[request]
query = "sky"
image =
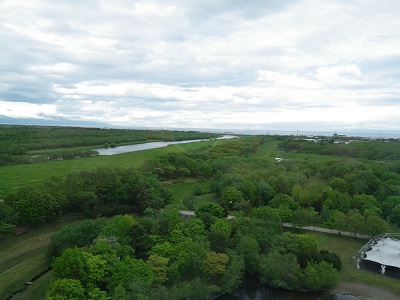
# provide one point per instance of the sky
(319, 65)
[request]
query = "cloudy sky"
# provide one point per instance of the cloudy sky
(255, 64)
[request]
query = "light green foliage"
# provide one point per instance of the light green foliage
(97, 294)
(135, 276)
(283, 199)
(280, 270)
(119, 227)
(215, 263)
(230, 197)
(209, 212)
(159, 266)
(301, 195)
(66, 289)
(71, 264)
(320, 276)
(223, 226)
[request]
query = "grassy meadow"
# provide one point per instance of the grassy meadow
(14, 176)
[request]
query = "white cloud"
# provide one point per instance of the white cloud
(185, 64)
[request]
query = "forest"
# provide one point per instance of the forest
(132, 242)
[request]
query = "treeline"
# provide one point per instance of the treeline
(161, 256)
(378, 149)
(20, 144)
(200, 164)
(99, 192)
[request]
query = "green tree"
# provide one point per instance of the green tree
(320, 276)
(215, 263)
(248, 247)
(75, 234)
(230, 197)
(375, 225)
(133, 275)
(65, 289)
(159, 266)
(97, 294)
(280, 270)
(8, 218)
(234, 273)
(118, 227)
(209, 212)
(33, 206)
(355, 222)
(304, 217)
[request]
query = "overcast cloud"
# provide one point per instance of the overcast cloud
(272, 64)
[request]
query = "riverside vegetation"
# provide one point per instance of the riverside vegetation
(133, 244)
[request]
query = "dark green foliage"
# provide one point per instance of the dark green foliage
(330, 257)
(303, 246)
(34, 206)
(76, 234)
(280, 270)
(320, 276)
(8, 218)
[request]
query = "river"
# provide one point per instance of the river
(252, 289)
(148, 146)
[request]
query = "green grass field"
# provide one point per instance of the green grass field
(346, 247)
(23, 258)
(16, 176)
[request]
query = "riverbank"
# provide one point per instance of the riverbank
(367, 292)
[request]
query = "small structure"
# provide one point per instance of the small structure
(381, 254)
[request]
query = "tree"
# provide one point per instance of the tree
(215, 263)
(209, 212)
(118, 227)
(78, 234)
(283, 199)
(304, 217)
(375, 225)
(303, 246)
(159, 266)
(8, 218)
(355, 222)
(248, 247)
(33, 206)
(65, 289)
(320, 276)
(234, 273)
(133, 275)
(230, 197)
(97, 294)
(280, 270)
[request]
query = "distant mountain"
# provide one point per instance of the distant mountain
(54, 121)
